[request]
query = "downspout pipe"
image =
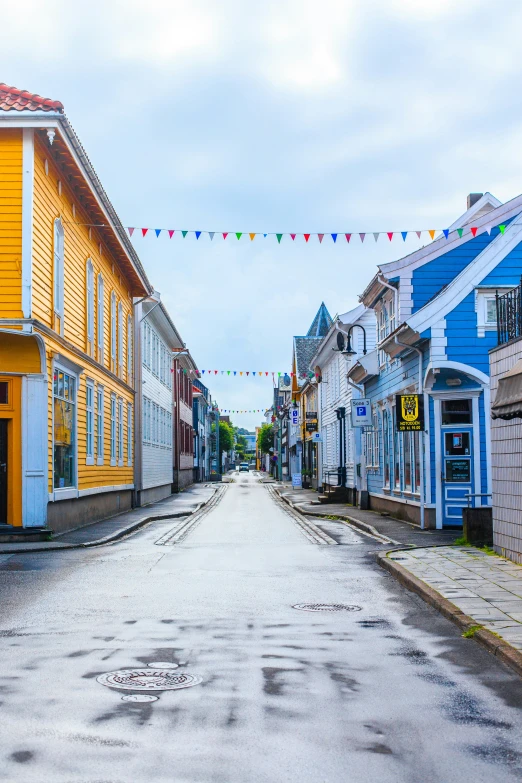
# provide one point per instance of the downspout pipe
(420, 391)
(385, 283)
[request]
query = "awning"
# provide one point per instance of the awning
(508, 402)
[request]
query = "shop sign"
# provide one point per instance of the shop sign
(311, 414)
(409, 412)
(294, 415)
(317, 437)
(311, 426)
(296, 480)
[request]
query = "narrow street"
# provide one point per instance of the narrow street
(388, 692)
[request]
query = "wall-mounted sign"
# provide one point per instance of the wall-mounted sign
(294, 415)
(409, 412)
(361, 413)
(316, 437)
(311, 426)
(311, 414)
(458, 471)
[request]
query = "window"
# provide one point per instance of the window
(386, 317)
(64, 429)
(416, 460)
(4, 392)
(58, 267)
(99, 425)
(130, 351)
(456, 411)
(491, 311)
(120, 339)
(372, 448)
(406, 451)
(89, 422)
(396, 455)
(100, 319)
(129, 433)
(113, 429)
(120, 431)
(90, 307)
(113, 332)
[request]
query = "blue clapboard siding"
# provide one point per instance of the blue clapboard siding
(508, 271)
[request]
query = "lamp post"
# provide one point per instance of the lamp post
(348, 351)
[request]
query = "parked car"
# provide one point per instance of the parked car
(244, 467)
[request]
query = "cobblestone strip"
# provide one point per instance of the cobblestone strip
(311, 531)
(178, 533)
(479, 592)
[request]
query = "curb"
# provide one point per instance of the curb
(494, 644)
(116, 536)
(363, 526)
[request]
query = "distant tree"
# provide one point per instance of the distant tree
(226, 437)
(265, 438)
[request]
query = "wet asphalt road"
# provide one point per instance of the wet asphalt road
(388, 693)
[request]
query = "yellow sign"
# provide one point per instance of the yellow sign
(409, 412)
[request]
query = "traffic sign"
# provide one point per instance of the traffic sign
(361, 413)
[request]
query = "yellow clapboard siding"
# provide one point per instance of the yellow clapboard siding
(10, 223)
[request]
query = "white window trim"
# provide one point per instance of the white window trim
(119, 432)
(130, 351)
(120, 339)
(100, 390)
(90, 306)
(100, 318)
(130, 429)
(113, 429)
(482, 295)
(89, 457)
(58, 269)
(113, 331)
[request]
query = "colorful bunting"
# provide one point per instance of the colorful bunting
(404, 234)
(460, 232)
(320, 237)
(390, 235)
(157, 231)
(348, 237)
(445, 231)
(144, 231)
(198, 234)
(431, 232)
(184, 234)
(474, 230)
(171, 233)
(334, 237)
(252, 237)
(279, 237)
(376, 235)
(131, 231)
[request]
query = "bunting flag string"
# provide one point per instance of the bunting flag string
(251, 235)
(273, 375)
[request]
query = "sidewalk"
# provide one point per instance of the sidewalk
(395, 530)
(116, 527)
(480, 592)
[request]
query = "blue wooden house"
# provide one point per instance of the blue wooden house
(436, 322)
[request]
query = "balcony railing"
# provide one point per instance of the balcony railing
(509, 315)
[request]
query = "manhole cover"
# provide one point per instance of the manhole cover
(148, 680)
(139, 697)
(327, 607)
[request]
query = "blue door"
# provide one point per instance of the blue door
(457, 459)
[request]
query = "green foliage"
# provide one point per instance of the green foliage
(472, 630)
(265, 438)
(461, 542)
(226, 436)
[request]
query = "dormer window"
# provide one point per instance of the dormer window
(486, 308)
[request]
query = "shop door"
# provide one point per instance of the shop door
(457, 473)
(3, 471)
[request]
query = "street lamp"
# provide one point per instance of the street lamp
(348, 351)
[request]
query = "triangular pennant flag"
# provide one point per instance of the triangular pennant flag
(228, 372)
(431, 232)
(334, 237)
(241, 373)
(488, 229)
(252, 236)
(225, 234)
(279, 237)
(158, 231)
(184, 234)
(390, 235)
(203, 371)
(348, 237)
(144, 231)
(460, 231)
(265, 235)
(171, 232)
(474, 230)
(222, 372)
(211, 235)
(131, 231)
(320, 237)
(253, 373)
(266, 373)
(502, 228)
(216, 372)
(234, 372)
(419, 234)
(293, 236)
(376, 235)
(248, 373)
(404, 234)
(445, 231)
(239, 234)
(198, 234)
(362, 237)
(307, 237)
(278, 374)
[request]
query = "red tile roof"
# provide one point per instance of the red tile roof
(13, 98)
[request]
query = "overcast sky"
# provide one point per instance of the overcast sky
(378, 115)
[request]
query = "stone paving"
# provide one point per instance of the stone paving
(486, 587)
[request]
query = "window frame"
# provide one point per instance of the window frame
(130, 351)
(113, 430)
(119, 430)
(113, 332)
(58, 269)
(89, 422)
(100, 424)
(89, 305)
(72, 488)
(100, 318)
(120, 339)
(130, 429)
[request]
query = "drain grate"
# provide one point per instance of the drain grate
(148, 680)
(327, 607)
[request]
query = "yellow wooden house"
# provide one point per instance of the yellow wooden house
(68, 277)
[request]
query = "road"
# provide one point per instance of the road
(390, 692)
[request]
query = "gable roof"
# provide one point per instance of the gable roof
(346, 319)
(464, 283)
(11, 98)
(321, 323)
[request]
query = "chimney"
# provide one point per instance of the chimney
(473, 198)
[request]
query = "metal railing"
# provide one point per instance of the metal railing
(509, 314)
(469, 496)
